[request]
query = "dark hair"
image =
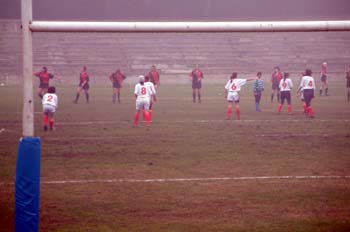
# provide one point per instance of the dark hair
(233, 76)
(278, 68)
(146, 78)
(44, 68)
(308, 72)
(285, 75)
(51, 89)
(259, 74)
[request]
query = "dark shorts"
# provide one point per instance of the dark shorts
(308, 96)
(196, 84)
(116, 85)
(85, 87)
(275, 86)
(44, 86)
(324, 78)
(285, 95)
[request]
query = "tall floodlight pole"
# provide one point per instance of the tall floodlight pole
(27, 183)
(27, 71)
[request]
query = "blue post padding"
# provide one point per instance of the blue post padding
(27, 185)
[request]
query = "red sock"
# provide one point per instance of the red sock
(238, 113)
(147, 117)
(229, 112)
(46, 120)
(310, 111)
(136, 118)
(279, 108)
(52, 121)
(289, 109)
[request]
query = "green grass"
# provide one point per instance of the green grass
(185, 140)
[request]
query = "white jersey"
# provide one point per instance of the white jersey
(307, 82)
(142, 91)
(50, 99)
(151, 88)
(235, 85)
(286, 85)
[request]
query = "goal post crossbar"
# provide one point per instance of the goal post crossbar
(212, 26)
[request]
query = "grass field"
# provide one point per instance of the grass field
(183, 174)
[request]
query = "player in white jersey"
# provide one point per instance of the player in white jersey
(285, 87)
(50, 103)
(143, 95)
(307, 84)
(232, 88)
(153, 98)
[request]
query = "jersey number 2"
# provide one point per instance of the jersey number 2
(49, 98)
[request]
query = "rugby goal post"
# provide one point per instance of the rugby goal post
(27, 186)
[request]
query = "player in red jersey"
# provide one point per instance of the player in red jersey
(44, 78)
(196, 77)
(154, 77)
(117, 79)
(347, 76)
(324, 81)
(83, 85)
(275, 81)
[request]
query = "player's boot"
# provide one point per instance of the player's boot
(310, 112)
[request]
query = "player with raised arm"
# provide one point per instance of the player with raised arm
(143, 94)
(44, 78)
(153, 97)
(324, 81)
(347, 76)
(154, 76)
(275, 81)
(83, 85)
(258, 89)
(50, 103)
(285, 87)
(307, 84)
(232, 89)
(196, 77)
(117, 79)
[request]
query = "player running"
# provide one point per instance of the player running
(143, 94)
(307, 85)
(117, 79)
(44, 78)
(347, 75)
(275, 81)
(324, 81)
(152, 98)
(285, 87)
(258, 89)
(196, 77)
(50, 103)
(232, 89)
(83, 85)
(154, 77)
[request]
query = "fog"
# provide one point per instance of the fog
(176, 10)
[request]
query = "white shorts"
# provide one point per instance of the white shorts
(233, 97)
(142, 103)
(49, 108)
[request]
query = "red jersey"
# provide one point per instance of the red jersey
(154, 77)
(196, 75)
(276, 78)
(44, 77)
(84, 77)
(117, 77)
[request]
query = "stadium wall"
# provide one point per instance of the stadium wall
(175, 54)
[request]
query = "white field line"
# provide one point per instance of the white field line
(208, 179)
(210, 121)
